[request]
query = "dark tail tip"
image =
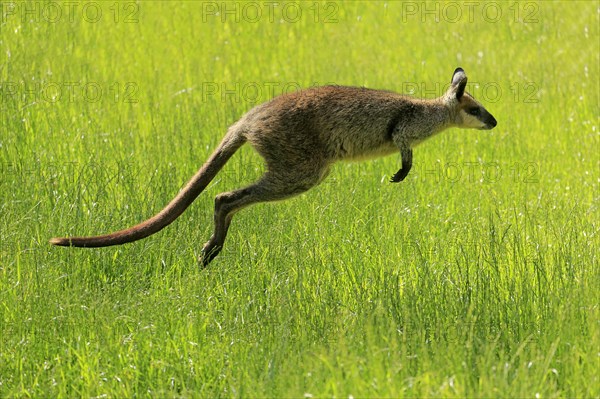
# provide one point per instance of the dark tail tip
(63, 242)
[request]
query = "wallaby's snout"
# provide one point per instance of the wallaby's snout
(490, 122)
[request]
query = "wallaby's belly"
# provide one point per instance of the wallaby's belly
(377, 153)
(358, 146)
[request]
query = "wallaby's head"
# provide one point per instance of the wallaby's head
(467, 113)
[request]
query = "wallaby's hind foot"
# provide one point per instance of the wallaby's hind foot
(222, 219)
(209, 252)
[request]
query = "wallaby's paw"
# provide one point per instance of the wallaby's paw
(398, 177)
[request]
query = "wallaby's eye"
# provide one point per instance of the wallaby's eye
(474, 111)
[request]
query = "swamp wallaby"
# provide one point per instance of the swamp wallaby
(300, 135)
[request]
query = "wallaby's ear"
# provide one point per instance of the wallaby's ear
(459, 82)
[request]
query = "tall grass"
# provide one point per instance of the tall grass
(477, 276)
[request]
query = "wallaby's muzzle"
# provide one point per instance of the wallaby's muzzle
(490, 122)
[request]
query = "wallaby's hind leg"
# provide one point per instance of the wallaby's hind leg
(271, 187)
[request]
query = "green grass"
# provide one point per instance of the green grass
(476, 277)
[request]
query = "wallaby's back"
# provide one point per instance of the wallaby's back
(340, 122)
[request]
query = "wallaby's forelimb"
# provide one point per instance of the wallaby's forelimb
(406, 165)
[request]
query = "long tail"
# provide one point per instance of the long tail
(230, 144)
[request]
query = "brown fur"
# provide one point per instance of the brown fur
(300, 135)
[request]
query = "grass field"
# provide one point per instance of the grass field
(475, 277)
